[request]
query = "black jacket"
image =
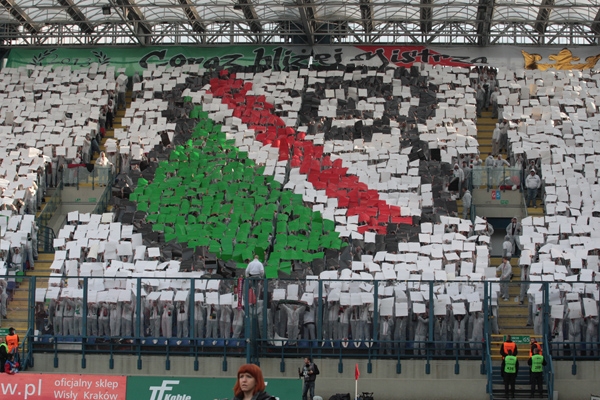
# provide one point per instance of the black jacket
(304, 373)
(258, 396)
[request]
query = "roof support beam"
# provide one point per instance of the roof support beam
(307, 15)
(426, 16)
(366, 15)
(596, 23)
(543, 16)
(20, 16)
(484, 21)
(75, 13)
(250, 15)
(130, 13)
(192, 15)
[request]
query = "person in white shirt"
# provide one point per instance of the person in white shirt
(505, 270)
(496, 139)
(501, 162)
(136, 79)
(494, 102)
(490, 161)
(466, 202)
(532, 183)
(514, 230)
(105, 165)
(255, 269)
(507, 247)
(121, 91)
(459, 173)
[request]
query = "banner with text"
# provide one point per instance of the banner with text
(281, 57)
(170, 388)
(513, 56)
(140, 58)
(27, 386)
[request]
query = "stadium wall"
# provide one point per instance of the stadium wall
(412, 383)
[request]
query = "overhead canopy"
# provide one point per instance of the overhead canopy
(475, 22)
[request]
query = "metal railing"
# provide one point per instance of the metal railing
(79, 175)
(269, 327)
(52, 205)
(549, 370)
(104, 200)
(496, 177)
(488, 368)
(46, 238)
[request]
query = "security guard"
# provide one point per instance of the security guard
(537, 363)
(534, 345)
(12, 341)
(510, 368)
(508, 345)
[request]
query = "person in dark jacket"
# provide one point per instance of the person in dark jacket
(309, 372)
(3, 353)
(510, 369)
(250, 384)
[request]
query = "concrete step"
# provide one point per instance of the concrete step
(536, 212)
(498, 260)
(46, 257)
(43, 205)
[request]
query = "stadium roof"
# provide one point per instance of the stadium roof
(218, 22)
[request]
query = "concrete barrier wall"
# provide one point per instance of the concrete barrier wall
(412, 383)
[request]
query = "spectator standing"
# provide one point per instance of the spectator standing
(467, 199)
(121, 90)
(532, 183)
(255, 269)
(309, 373)
(505, 271)
(514, 230)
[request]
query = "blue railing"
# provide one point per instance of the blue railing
(488, 368)
(549, 370)
(263, 333)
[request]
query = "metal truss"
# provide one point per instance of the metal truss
(192, 15)
(84, 24)
(485, 11)
(302, 22)
(17, 12)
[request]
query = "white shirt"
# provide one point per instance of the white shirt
(467, 199)
(255, 268)
(533, 181)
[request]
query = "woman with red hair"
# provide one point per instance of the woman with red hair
(250, 384)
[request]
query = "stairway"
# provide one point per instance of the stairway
(522, 385)
(485, 130)
(18, 307)
(512, 316)
(117, 118)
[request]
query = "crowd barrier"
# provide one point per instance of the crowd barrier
(259, 318)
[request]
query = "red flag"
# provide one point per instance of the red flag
(356, 372)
